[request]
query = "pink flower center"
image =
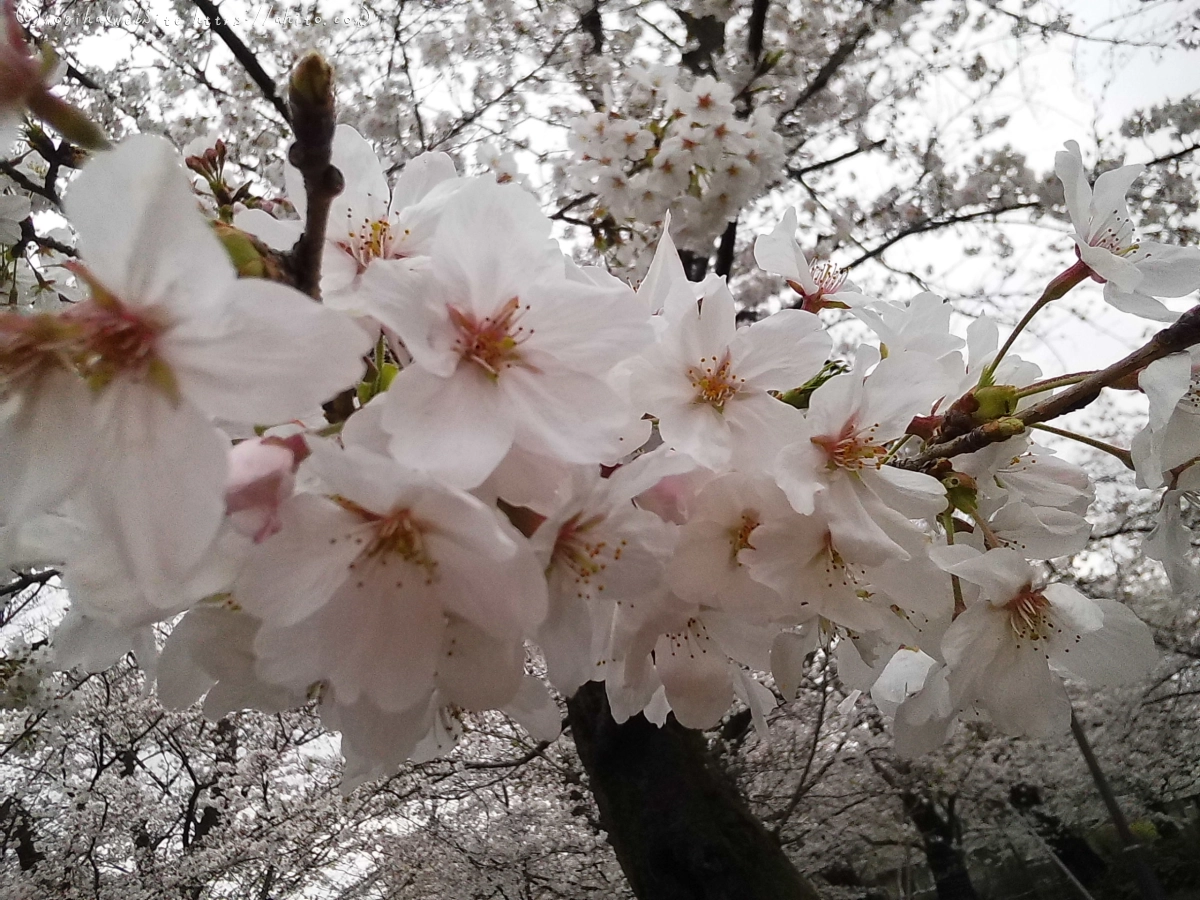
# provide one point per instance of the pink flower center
(99, 339)
(714, 381)
(396, 534)
(586, 558)
(493, 342)
(1028, 614)
(739, 535)
(372, 240)
(851, 448)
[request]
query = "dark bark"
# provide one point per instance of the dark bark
(940, 835)
(1068, 845)
(679, 827)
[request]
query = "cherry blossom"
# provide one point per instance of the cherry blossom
(506, 348)
(1005, 650)
(707, 382)
(819, 284)
(1134, 272)
(168, 339)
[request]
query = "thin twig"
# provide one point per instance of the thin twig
(245, 56)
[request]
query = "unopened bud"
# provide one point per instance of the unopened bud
(995, 401)
(251, 257)
(311, 84)
(961, 491)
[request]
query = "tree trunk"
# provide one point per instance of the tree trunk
(942, 851)
(679, 827)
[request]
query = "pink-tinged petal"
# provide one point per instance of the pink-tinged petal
(789, 651)
(925, 720)
(140, 232)
(565, 638)
(535, 710)
(759, 426)
(339, 278)
(371, 641)
(972, 641)
(1068, 166)
(799, 469)
(372, 480)
(157, 487)
(1121, 272)
(574, 417)
(495, 585)
(914, 495)
(47, 433)
(401, 294)
(857, 533)
(695, 674)
(493, 271)
(782, 351)
(374, 743)
(280, 356)
(1120, 652)
(420, 176)
(699, 431)
(457, 429)
(295, 571)
(1139, 304)
(278, 234)
(1021, 695)
(1167, 271)
(476, 670)
(778, 253)
(710, 334)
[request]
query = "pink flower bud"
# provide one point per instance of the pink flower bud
(262, 474)
(20, 71)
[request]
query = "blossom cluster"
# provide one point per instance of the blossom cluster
(541, 465)
(670, 149)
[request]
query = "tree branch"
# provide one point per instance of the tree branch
(245, 56)
(1173, 339)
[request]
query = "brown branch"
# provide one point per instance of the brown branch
(837, 59)
(244, 55)
(935, 224)
(1171, 157)
(801, 171)
(725, 251)
(1174, 339)
(757, 28)
(310, 95)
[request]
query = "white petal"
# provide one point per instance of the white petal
(48, 436)
(457, 428)
(782, 351)
(478, 671)
(1167, 270)
(280, 358)
(158, 487)
(140, 231)
(296, 571)
(778, 253)
(1068, 166)
(1120, 652)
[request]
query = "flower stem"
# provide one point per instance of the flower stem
(960, 605)
(1056, 289)
(1111, 449)
(1147, 882)
(1051, 384)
